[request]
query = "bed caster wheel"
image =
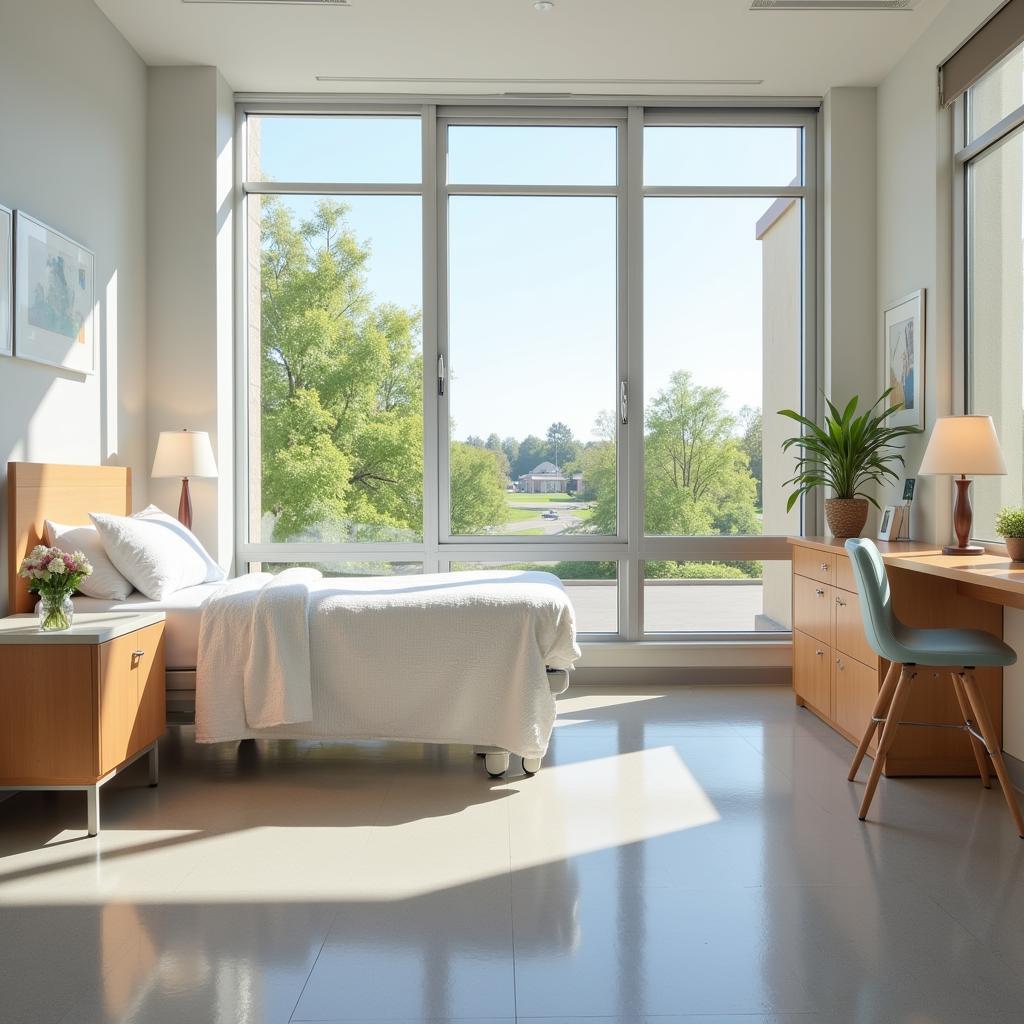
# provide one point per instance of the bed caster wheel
(496, 764)
(531, 765)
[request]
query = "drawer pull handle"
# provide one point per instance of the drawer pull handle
(840, 602)
(839, 664)
(819, 591)
(824, 566)
(818, 654)
(138, 654)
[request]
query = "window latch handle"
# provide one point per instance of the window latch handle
(441, 375)
(624, 401)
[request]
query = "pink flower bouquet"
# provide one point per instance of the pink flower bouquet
(54, 575)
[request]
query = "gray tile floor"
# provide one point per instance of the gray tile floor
(686, 855)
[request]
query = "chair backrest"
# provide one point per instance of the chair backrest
(875, 597)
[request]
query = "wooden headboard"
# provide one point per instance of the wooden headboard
(64, 494)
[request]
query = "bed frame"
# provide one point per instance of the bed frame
(37, 491)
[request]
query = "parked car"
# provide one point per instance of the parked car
(551, 514)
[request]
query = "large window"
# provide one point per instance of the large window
(993, 192)
(529, 338)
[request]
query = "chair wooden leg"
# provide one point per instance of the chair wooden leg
(980, 758)
(880, 710)
(892, 724)
(984, 720)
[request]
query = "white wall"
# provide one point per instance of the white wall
(915, 250)
(190, 287)
(72, 153)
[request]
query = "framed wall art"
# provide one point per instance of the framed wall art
(54, 297)
(6, 281)
(902, 358)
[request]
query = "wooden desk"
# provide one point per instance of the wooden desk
(837, 676)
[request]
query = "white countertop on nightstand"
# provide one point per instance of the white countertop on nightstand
(87, 628)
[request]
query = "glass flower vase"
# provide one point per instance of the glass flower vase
(55, 613)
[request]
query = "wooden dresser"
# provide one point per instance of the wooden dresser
(837, 675)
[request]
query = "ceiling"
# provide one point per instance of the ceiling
(693, 47)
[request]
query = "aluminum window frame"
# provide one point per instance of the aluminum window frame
(966, 153)
(629, 548)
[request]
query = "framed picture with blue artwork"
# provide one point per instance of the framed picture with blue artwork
(902, 358)
(54, 297)
(6, 280)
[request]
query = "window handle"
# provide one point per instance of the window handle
(442, 375)
(624, 401)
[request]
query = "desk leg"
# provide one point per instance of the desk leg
(154, 766)
(92, 796)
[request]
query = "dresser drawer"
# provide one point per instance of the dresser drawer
(812, 672)
(848, 636)
(844, 574)
(814, 564)
(854, 692)
(812, 608)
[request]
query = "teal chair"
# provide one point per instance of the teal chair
(908, 648)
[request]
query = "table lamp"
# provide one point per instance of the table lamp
(184, 453)
(960, 445)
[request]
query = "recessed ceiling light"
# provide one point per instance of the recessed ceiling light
(543, 5)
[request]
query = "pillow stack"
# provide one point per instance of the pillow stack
(149, 551)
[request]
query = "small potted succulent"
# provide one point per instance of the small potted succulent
(1010, 526)
(846, 454)
(54, 575)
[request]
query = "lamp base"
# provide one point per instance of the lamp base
(970, 549)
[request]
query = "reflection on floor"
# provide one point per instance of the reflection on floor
(689, 853)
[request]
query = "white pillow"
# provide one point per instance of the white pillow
(154, 558)
(104, 581)
(214, 573)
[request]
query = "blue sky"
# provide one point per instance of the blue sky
(533, 279)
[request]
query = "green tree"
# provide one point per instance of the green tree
(533, 451)
(750, 442)
(477, 490)
(562, 446)
(697, 475)
(341, 389)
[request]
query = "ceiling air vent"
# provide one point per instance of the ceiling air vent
(833, 5)
(277, 3)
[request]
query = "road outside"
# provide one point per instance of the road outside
(544, 515)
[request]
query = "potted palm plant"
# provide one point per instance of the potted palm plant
(847, 454)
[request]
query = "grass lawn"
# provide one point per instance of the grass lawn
(516, 514)
(514, 497)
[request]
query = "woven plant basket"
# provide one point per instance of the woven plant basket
(846, 516)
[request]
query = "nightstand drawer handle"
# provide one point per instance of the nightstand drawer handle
(824, 566)
(138, 654)
(819, 591)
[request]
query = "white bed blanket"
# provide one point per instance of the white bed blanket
(448, 658)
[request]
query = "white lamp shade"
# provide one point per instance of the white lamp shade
(963, 445)
(184, 453)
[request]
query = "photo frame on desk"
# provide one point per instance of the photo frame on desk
(887, 527)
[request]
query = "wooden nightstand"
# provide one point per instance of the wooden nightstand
(76, 707)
